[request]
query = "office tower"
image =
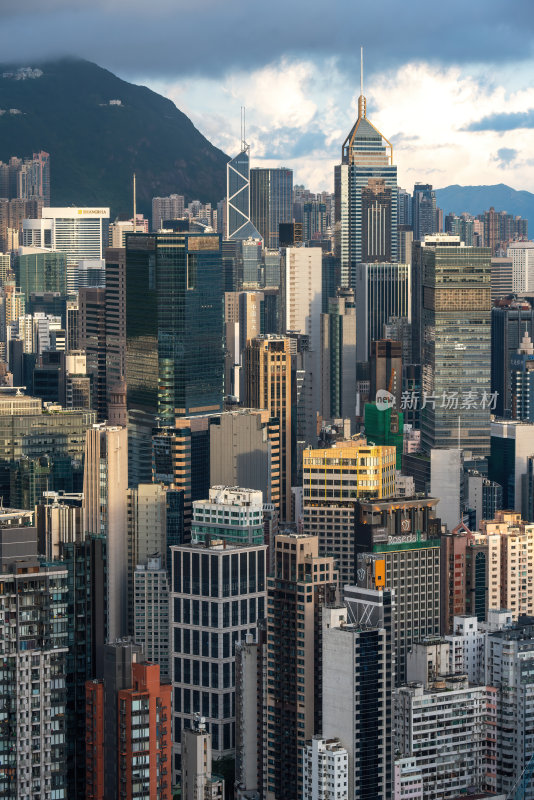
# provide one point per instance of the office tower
(404, 207)
(271, 202)
(289, 234)
(231, 514)
(92, 339)
(174, 325)
(423, 211)
(313, 220)
(397, 546)
(81, 233)
(447, 483)
(382, 291)
(512, 442)
(33, 694)
(147, 533)
(271, 268)
(426, 717)
(522, 380)
(483, 498)
(41, 270)
(366, 198)
(198, 780)
(128, 713)
(18, 536)
(57, 434)
(50, 379)
(510, 320)
(218, 595)
(164, 208)
(522, 255)
(386, 369)
(150, 613)
(501, 279)
(238, 224)
(251, 262)
(105, 513)
(117, 407)
(268, 386)
(245, 450)
(333, 480)
(303, 582)
(243, 317)
(90, 272)
(71, 323)
(509, 662)
(180, 458)
(358, 679)
(115, 300)
(326, 770)
(338, 357)
(456, 352)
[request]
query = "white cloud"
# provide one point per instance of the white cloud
(299, 112)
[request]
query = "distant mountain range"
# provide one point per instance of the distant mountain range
(476, 199)
(100, 129)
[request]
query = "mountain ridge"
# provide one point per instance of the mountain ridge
(95, 146)
(476, 199)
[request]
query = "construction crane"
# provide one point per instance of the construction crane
(520, 787)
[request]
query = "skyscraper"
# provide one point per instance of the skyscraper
(424, 211)
(174, 324)
(383, 291)
(271, 201)
(303, 582)
(338, 357)
(456, 356)
(366, 198)
(238, 224)
(268, 385)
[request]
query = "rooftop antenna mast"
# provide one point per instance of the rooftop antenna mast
(361, 99)
(243, 128)
(134, 207)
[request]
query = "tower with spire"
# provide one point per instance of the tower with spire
(522, 379)
(365, 196)
(238, 224)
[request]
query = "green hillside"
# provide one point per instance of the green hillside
(95, 147)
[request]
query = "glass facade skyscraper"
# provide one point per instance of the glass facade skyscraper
(456, 354)
(174, 324)
(238, 224)
(365, 198)
(271, 201)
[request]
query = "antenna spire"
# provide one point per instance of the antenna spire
(361, 100)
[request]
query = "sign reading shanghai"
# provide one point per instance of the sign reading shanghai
(450, 401)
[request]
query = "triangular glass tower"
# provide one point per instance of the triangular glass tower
(238, 224)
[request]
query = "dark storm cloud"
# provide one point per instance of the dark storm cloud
(169, 37)
(504, 121)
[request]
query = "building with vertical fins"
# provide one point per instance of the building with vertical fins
(365, 197)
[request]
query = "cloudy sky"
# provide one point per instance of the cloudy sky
(450, 84)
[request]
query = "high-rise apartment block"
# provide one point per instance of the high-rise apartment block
(231, 514)
(166, 208)
(218, 596)
(33, 653)
(198, 780)
(268, 386)
(150, 613)
(302, 583)
(326, 770)
(522, 256)
(358, 680)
